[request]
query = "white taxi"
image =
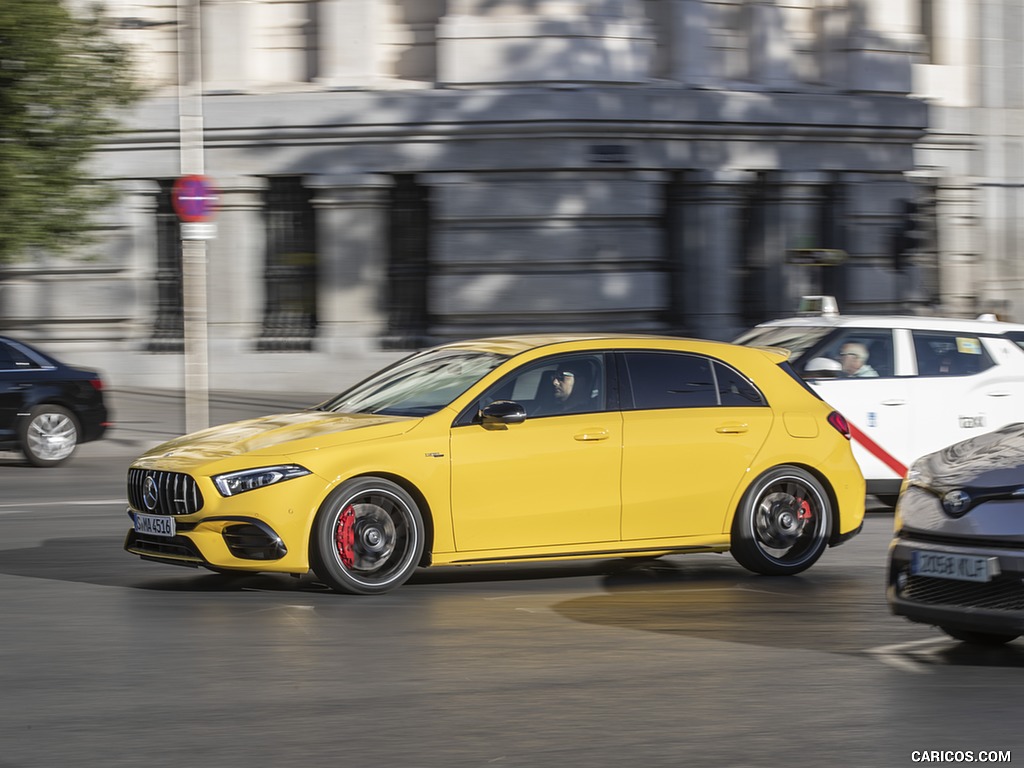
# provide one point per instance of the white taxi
(907, 385)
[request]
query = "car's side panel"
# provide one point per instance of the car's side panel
(546, 481)
(681, 467)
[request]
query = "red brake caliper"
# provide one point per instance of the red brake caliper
(805, 510)
(346, 536)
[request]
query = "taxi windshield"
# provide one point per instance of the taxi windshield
(419, 385)
(797, 339)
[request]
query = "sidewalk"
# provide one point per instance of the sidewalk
(143, 418)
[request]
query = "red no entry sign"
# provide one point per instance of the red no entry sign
(194, 198)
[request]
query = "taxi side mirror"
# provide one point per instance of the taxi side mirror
(822, 368)
(502, 412)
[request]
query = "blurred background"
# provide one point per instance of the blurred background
(395, 173)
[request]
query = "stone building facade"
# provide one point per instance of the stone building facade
(393, 173)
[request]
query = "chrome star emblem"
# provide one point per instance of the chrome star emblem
(150, 493)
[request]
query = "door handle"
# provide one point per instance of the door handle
(999, 393)
(590, 437)
(732, 429)
(894, 402)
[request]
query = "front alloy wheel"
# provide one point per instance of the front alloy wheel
(367, 538)
(783, 523)
(49, 435)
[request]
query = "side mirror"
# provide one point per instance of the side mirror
(822, 368)
(502, 412)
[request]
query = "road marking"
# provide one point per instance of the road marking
(9, 507)
(915, 656)
(877, 451)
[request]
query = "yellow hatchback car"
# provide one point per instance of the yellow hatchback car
(516, 449)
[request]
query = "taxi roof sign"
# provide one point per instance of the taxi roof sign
(818, 305)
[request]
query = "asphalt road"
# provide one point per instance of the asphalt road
(111, 661)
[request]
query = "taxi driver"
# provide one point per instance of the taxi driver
(853, 356)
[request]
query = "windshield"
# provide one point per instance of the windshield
(797, 339)
(418, 385)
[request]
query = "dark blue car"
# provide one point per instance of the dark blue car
(46, 407)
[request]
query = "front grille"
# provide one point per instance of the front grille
(170, 493)
(1001, 594)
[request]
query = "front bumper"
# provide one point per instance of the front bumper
(247, 540)
(995, 606)
(260, 530)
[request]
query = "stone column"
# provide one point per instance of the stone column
(228, 33)
(771, 52)
(880, 46)
(712, 206)
(958, 254)
(501, 41)
(280, 49)
(832, 20)
(236, 262)
(140, 204)
(352, 248)
(796, 210)
(690, 42)
(347, 37)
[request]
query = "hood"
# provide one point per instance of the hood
(285, 433)
(991, 461)
(960, 481)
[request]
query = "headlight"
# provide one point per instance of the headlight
(234, 483)
(918, 475)
(955, 501)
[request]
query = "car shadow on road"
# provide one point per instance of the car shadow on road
(824, 610)
(102, 561)
(699, 596)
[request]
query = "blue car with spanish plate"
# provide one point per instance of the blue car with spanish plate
(957, 558)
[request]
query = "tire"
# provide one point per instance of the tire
(48, 436)
(367, 538)
(978, 638)
(783, 523)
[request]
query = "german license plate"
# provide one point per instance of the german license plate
(154, 525)
(957, 567)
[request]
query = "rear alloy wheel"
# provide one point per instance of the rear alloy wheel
(49, 435)
(978, 638)
(783, 523)
(367, 538)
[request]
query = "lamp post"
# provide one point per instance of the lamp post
(193, 237)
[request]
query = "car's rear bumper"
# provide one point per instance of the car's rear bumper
(93, 422)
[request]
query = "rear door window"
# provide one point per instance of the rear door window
(659, 380)
(949, 354)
